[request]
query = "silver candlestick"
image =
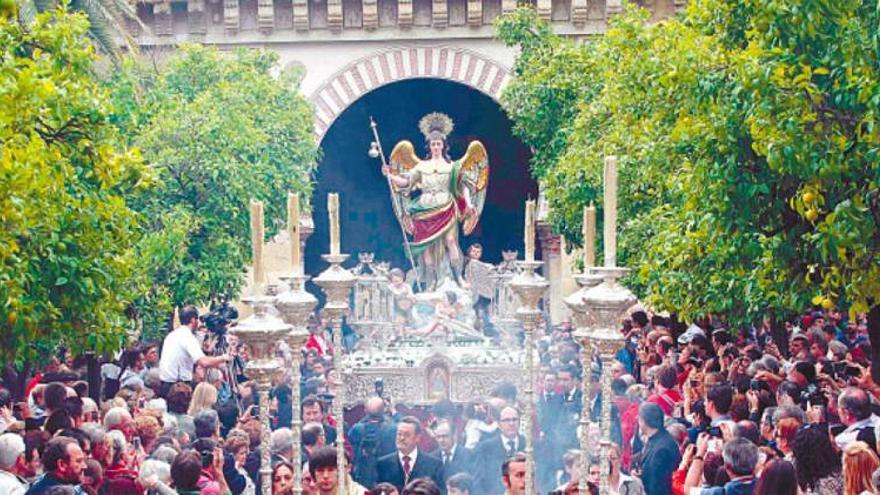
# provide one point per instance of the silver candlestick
(606, 304)
(295, 306)
(337, 282)
(530, 287)
(261, 332)
(582, 323)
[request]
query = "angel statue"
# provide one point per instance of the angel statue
(435, 195)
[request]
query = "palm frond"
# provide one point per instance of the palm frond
(125, 10)
(28, 10)
(108, 18)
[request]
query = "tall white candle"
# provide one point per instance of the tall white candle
(589, 235)
(333, 213)
(293, 228)
(257, 243)
(529, 231)
(610, 207)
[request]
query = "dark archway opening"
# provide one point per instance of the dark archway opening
(367, 222)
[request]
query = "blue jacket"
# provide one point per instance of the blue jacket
(735, 487)
(48, 481)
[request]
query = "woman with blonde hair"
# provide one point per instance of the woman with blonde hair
(203, 398)
(859, 462)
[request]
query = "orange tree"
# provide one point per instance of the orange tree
(218, 129)
(748, 141)
(68, 234)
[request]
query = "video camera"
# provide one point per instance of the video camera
(219, 318)
(812, 395)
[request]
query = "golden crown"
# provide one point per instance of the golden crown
(435, 122)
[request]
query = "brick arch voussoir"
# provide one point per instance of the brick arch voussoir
(395, 64)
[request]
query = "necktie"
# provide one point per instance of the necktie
(511, 448)
(407, 469)
(446, 457)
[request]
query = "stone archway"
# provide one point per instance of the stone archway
(367, 220)
(397, 64)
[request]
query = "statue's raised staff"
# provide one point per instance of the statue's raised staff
(437, 195)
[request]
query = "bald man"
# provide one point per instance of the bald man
(371, 438)
(854, 408)
(491, 453)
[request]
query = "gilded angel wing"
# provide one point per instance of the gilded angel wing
(403, 158)
(475, 175)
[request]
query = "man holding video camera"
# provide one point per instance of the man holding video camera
(181, 352)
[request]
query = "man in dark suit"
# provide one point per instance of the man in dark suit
(559, 415)
(455, 458)
(547, 402)
(407, 462)
(660, 456)
(491, 453)
(546, 448)
(567, 403)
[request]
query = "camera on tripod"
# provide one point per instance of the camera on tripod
(217, 321)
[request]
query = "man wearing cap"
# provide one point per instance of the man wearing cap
(660, 456)
(689, 334)
(696, 345)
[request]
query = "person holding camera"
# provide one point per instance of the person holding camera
(740, 458)
(181, 352)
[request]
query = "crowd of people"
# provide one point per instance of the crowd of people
(700, 409)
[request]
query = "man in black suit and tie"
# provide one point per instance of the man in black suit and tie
(546, 449)
(491, 453)
(567, 410)
(455, 458)
(407, 463)
(570, 396)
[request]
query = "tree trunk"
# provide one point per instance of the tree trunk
(874, 335)
(779, 334)
(16, 380)
(93, 373)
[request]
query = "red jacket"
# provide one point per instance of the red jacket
(667, 400)
(629, 422)
(323, 346)
(122, 481)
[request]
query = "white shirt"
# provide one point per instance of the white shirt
(506, 443)
(412, 458)
(850, 434)
(11, 484)
(449, 455)
(132, 379)
(180, 352)
(249, 487)
(473, 432)
(110, 370)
